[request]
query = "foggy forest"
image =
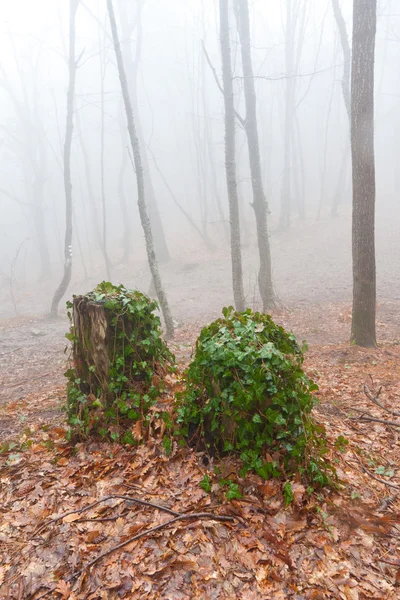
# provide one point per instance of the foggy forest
(199, 292)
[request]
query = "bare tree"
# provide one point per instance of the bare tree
(230, 157)
(344, 40)
(103, 68)
(294, 32)
(144, 217)
(132, 63)
(363, 328)
(259, 200)
(72, 67)
(30, 146)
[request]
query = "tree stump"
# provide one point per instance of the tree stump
(119, 359)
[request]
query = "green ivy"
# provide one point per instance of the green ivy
(246, 393)
(139, 356)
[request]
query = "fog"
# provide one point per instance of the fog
(179, 115)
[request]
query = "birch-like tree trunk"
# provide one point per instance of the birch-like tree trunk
(144, 217)
(103, 67)
(230, 157)
(259, 201)
(62, 288)
(363, 329)
(131, 64)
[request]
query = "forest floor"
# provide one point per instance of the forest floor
(333, 545)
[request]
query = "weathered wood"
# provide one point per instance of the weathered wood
(93, 351)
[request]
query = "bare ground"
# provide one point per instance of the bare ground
(312, 275)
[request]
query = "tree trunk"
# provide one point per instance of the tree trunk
(62, 288)
(344, 40)
(144, 217)
(230, 158)
(132, 67)
(363, 331)
(126, 243)
(259, 202)
(102, 52)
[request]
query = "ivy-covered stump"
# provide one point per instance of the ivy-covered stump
(246, 393)
(118, 362)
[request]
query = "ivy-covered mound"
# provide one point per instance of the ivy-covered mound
(119, 359)
(246, 393)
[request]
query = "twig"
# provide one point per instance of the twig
(217, 81)
(374, 420)
(31, 379)
(102, 520)
(392, 485)
(184, 517)
(113, 496)
(365, 470)
(374, 399)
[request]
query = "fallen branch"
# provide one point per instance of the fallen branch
(111, 497)
(365, 470)
(375, 420)
(374, 399)
(184, 517)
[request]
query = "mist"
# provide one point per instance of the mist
(175, 59)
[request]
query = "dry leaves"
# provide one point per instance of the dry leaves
(341, 545)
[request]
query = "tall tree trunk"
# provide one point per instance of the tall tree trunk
(259, 201)
(326, 136)
(126, 242)
(144, 217)
(292, 58)
(102, 150)
(363, 329)
(284, 220)
(230, 158)
(62, 288)
(89, 184)
(344, 40)
(132, 68)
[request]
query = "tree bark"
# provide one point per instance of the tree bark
(363, 329)
(344, 40)
(132, 67)
(230, 158)
(102, 52)
(126, 243)
(259, 201)
(144, 217)
(62, 288)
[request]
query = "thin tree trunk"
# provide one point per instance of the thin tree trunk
(132, 68)
(102, 150)
(230, 158)
(62, 288)
(284, 220)
(144, 217)
(344, 40)
(89, 184)
(259, 201)
(326, 137)
(363, 328)
(301, 178)
(205, 239)
(126, 242)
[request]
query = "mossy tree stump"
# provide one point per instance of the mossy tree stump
(119, 359)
